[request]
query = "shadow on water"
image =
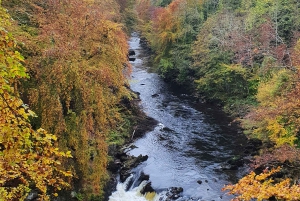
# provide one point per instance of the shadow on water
(191, 141)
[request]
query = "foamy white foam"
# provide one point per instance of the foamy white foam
(132, 195)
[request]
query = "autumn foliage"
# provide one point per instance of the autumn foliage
(243, 55)
(29, 158)
(76, 57)
(263, 186)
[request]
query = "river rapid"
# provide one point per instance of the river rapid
(187, 147)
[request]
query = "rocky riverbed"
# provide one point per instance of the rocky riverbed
(190, 149)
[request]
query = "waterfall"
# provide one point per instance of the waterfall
(133, 194)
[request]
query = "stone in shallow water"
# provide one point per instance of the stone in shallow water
(131, 52)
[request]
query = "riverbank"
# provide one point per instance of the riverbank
(188, 145)
(188, 130)
(117, 153)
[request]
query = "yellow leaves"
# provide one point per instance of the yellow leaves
(274, 128)
(276, 117)
(262, 187)
(278, 133)
(27, 157)
(270, 89)
(78, 60)
(166, 24)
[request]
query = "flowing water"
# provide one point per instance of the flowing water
(189, 144)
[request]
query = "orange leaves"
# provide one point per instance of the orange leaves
(287, 155)
(79, 77)
(143, 8)
(263, 187)
(276, 118)
(28, 158)
(166, 23)
(77, 60)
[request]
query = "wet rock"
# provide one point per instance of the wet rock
(145, 44)
(132, 146)
(114, 166)
(231, 167)
(176, 190)
(143, 177)
(174, 193)
(144, 124)
(131, 52)
(130, 163)
(121, 156)
(124, 174)
(255, 143)
(147, 189)
(33, 195)
(154, 95)
(134, 161)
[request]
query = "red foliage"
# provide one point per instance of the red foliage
(284, 154)
(266, 35)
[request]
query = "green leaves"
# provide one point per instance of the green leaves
(77, 59)
(27, 157)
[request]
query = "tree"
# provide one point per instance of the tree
(78, 64)
(29, 159)
(76, 56)
(263, 186)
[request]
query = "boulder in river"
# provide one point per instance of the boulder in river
(129, 164)
(131, 52)
(174, 193)
(114, 166)
(147, 189)
(143, 177)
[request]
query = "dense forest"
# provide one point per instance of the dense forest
(64, 69)
(66, 61)
(244, 56)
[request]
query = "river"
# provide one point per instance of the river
(187, 147)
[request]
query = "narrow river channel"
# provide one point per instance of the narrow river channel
(188, 146)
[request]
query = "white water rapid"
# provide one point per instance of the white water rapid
(132, 195)
(185, 150)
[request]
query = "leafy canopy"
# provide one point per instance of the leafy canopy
(29, 159)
